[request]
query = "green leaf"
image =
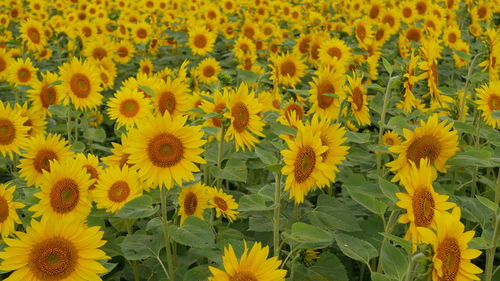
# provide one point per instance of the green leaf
(198, 273)
(375, 87)
(357, 137)
(387, 66)
(332, 95)
(495, 114)
(266, 157)
(141, 246)
(280, 129)
(55, 83)
(58, 110)
(463, 127)
(480, 158)
(394, 261)
(235, 170)
(374, 205)
(332, 214)
(147, 90)
(488, 203)
(389, 189)
(356, 248)
(380, 277)
(398, 241)
(327, 268)
(247, 76)
(310, 236)
(398, 123)
(139, 207)
(77, 146)
(466, 57)
(194, 233)
(95, 134)
(253, 203)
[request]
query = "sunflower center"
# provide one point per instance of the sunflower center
(494, 102)
(374, 11)
(87, 32)
(249, 32)
(448, 252)
(190, 203)
(299, 113)
(304, 45)
(423, 207)
(7, 132)
(325, 88)
(80, 85)
(434, 73)
(165, 150)
(315, 51)
(34, 35)
(452, 37)
(23, 74)
(421, 7)
(200, 41)
(53, 259)
(93, 174)
(423, 147)
(407, 12)
(48, 96)
(119, 191)
(142, 33)
(129, 108)
(208, 71)
(99, 53)
(64, 195)
(243, 276)
(4, 209)
(361, 32)
(389, 19)
(413, 34)
(380, 34)
(167, 102)
(221, 203)
(335, 52)
(481, 12)
(42, 160)
(122, 52)
(218, 109)
(3, 65)
(304, 164)
(241, 116)
(288, 68)
(357, 98)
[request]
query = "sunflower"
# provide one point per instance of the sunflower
(410, 79)
(151, 82)
(363, 31)
(165, 150)
(430, 53)
(118, 157)
(116, 186)
(124, 51)
(45, 93)
(81, 83)
(451, 35)
(22, 72)
(8, 214)
(421, 202)
(64, 192)
(253, 265)
(488, 101)
(243, 112)
(243, 46)
(107, 72)
(391, 19)
(408, 13)
(327, 82)
(145, 67)
(287, 69)
(193, 200)
(335, 49)
(463, 47)
(303, 45)
(391, 138)
(66, 250)
(432, 140)
(128, 107)
(5, 61)
(223, 203)
(201, 41)
(452, 257)
(98, 48)
(207, 71)
(32, 34)
(358, 100)
(13, 133)
(172, 97)
(35, 120)
(217, 105)
(90, 163)
(141, 32)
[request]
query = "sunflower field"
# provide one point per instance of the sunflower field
(249, 140)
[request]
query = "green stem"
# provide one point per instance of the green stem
(220, 147)
(387, 228)
(490, 254)
(133, 264)
(469, 76)
(68, 124)
(276, 219)
(387, 95)
(409, 270)
(166, 236)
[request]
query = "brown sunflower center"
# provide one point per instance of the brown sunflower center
(87, 32)
(200, 41)
(119, 191)
(64, 195)
(7, 132)
(93, 174)
(361, 32)
(249, 32)
(315, 51)
(374, 11)
(42, 160)
(389, 19)
(494, 102)
(379, 34)
(304, 164)
(423, 207)
(23, 74)
(357, 98)
(325, 87)
(335, 52)
(288, 68)
(407, 12)
(421, 7)
(53, 259)
(243, 276)
(34, 35)
(241, 116)
(452, 37)
(221, 203)
(129, 108)
(80, 85)
(389, 141)
(165, 150)
(99, 53)
(3, 65)
(190, 203)
(448, 252)
(413, 34)
(208, 71)
(304, 45)
(122, 52)
(4, 209)
(167, 102)
(482, 11)
(299, 113)
(142, 33)
(48, 96)
(423, 147)
(218, 108)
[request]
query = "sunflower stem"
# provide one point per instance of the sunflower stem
(469, 75)
(490, 253)
(133, 264)
(68, 124)
(166, 236)
(387, 95)
(276, 219)
(219, 154)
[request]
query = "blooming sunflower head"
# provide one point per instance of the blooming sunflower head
(193, 200)
(8, 214)
(224, 204)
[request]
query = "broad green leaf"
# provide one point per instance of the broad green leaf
(380, 277)
(327, 268)
(55, 83)
(280, 129)
(374, 205)
(310, 236)
(387, 66)
(235, 170)
(488, 203)
(141, 246)
(466, 57)
(95, 134)
(58, 109)
(394, 261)
(389, 189)
(398, 241)
(357, 137)
(266, 157)
(247, 76)
(480, 158)
(463, 127)
(147, 90)
(398, 123)
(194, 233)
(139, 207)
(198, 273)
(77, 146)
(356, 248)
(253, 203)
(375, 87)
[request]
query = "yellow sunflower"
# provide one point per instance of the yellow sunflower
(408, 12)
(128, 107)
(489, 100)
(327, 82)
(217, 105)
(118, 157)
(243, 112)
(410, 79)
(8, 214)
(13, 133)
(22, 72)
(98, 48)
(193, 200)
(107, 72)
(452, 257)
(172, 97)
(430, 53)
(363, 31)
(62, 250)
(81, 83)
(223, 203)
(124, 51)
(145, 66)
(165, 150)
(207, 71)
(420, 201)
(391, 138)
(90, 163)
(141, 32)
(116, 186)
(5, 61)
(358, 100)
(433, 140)
(40, 150)
(335, 49)
(32, 34)
(44, 93)
(287, 69)
(35, 120)
(201, 41)
(64, 192)
(451, 35)
(253, 265)
(243, 46)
